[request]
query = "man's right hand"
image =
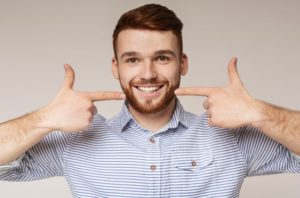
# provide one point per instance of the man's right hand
(73, 111)
(70, 111)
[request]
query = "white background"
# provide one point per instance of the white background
(37, 37)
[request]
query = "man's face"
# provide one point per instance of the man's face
(148, 66)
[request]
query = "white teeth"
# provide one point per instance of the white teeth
(148, 89)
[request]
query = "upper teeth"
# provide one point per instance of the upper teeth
(148, 89)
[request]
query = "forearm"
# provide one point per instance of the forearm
(280, 124)
(20, 134)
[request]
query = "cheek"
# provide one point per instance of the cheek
(124, 81)
(125, 75)
(172, 76)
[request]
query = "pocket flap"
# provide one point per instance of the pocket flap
(194, 160)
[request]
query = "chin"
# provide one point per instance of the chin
(151, 107)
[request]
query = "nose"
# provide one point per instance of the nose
(148, 71)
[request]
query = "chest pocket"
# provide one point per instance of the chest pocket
(193, 159)
(192, 172)
(194, 162)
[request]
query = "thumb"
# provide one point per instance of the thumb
(69, 77)
(232, 72)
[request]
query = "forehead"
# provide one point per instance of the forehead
(146, 41)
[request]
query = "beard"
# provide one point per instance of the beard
(149, 106)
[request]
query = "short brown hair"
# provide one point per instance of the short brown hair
(149, 17)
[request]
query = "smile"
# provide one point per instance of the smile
(149, 89)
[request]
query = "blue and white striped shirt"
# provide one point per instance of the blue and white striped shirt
(185, 158)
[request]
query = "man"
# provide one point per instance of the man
(152, 148)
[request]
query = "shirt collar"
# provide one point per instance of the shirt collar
(179, 117)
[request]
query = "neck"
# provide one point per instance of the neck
(154, 121)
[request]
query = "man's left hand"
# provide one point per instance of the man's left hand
(230, 106)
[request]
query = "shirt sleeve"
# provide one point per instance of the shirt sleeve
(296, 156)
(12, 165)
(263, 155)
(43, 160)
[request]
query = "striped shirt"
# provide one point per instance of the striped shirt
(185, 158)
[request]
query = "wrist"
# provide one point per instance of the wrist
(41, 118)
(261, 113)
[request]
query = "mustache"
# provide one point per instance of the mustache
(147, 81)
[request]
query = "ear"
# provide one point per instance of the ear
(114, 68)
(184, 64)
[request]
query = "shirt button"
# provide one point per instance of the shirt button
(153, 167)
(194, 163)
(152, 140)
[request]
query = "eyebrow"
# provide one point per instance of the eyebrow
(161, 52)
(129, 53)
(157, 53)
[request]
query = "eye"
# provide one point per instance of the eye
(132, 60)
(163, 58)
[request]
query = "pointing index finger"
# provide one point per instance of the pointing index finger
(105, 95)
(195, 91)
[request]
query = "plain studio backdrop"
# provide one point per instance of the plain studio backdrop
(37, 37)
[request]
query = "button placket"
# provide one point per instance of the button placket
(154, 165)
